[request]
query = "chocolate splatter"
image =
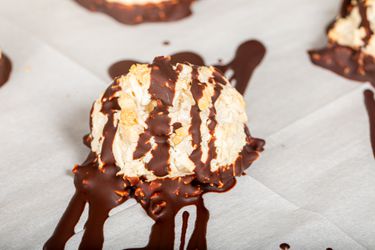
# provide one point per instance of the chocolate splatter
(140, 13)
(284, 246)
(166, 43)
(370, 106)
(5, 69)
(247, 57)
(98, 184)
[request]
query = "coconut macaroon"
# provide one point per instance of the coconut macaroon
(5, 68)
(140, 11)
(168, 121)
(351, 42)
(164, 134)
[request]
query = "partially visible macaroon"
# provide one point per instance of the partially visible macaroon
(5, 68)
(141, 11)
(351, 42)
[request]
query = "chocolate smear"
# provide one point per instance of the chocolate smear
(5, 69)
(370, 106)
(132, 14)
(97, 181)
(247, 57)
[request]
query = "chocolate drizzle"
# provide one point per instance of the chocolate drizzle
(98, 183)
(162, 89)
(370, 106)
(5, 69)
(139, 13)
(248, 56)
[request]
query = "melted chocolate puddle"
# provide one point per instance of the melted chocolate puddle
(98, 184)
(5, 69)
(247, 57)
(370, 106)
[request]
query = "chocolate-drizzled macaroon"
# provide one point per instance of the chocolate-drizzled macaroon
(163, 134)
(5, 68)
(351, 42)
(140, 11)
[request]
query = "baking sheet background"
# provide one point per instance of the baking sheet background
(312, 188)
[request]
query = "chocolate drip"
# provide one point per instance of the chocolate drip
(139, 13)
(185, 220)
(370, 106)
(248, 56)
(5, 69)
(103, 190)
(198, 239)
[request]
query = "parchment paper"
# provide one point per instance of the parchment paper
(314, 186)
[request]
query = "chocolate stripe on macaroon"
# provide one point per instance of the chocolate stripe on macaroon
(162, 90)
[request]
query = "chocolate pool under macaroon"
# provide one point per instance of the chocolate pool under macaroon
(140, 11)
(164, 134)
(351, 42)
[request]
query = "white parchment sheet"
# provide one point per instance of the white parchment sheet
(314, 186)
